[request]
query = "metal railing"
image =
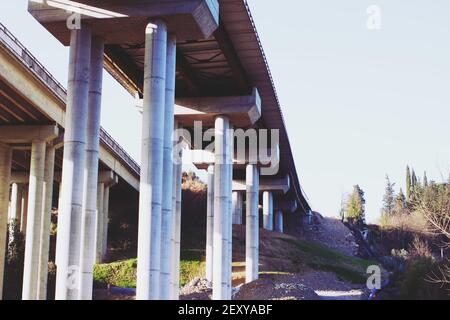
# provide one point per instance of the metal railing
(20, 52)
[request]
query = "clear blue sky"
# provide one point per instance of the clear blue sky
(358, 104)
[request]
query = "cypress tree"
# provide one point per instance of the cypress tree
(356, 206)
(400, 202)
(389, 198)
(413, 180)
(408, 184)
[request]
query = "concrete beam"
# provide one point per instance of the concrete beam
(286, 206)
(274, 185)
(19, 177)
(243, 111)
(124, 21)
(24, 134)
(53, 107)
(107, 177)
(202, 159)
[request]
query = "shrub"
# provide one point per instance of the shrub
(13, 276)
(414, 284)
(420, 249)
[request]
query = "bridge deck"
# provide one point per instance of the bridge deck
(230, 62)
(16, 108)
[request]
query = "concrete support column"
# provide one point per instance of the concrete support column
(5, 175)
(71, 204)
(100, 219)
(46, 217)
(222, 212)
(176, 239)
(268, 210)
(279, 222)
(89, 216)
(35, 203)
(16, 202)
(252, 224)
(150, 206)
(230, 211)
(24, 212)
(238, 203)
(210, 225)
(167, 212)
(15, 209)
(105, 222)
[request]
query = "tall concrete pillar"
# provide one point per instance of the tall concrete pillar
(279, 221)
(176, 242)
(71, 204)
(105, 221)
(210, 225)
(230, 211)
(16, 203)
(24, 212)
(5, 175)
(252, 224)
(268, 210)
(100, 219)
(15, 209)
(167, 212)
(35, 202)
(150, 206)
(89, 216)
(238, 203)
(222, 212)
(46, 218)
(58, 252)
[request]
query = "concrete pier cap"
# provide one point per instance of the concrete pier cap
(278, 186)
(285, 205)
(28, 133)
(122, 21)
(201, 159)
(242, 111)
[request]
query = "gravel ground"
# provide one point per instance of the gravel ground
(276, 287)
(328, 287)
(331, 233)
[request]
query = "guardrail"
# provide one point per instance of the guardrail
(22, 53)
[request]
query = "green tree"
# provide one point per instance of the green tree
(388, 198)
(400, 202)
(408, 184)
(356, 206)
(416, 191)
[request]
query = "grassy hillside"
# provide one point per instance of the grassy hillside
(123, 273)
(279, 254)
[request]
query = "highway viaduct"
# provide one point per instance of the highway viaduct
(191, 61)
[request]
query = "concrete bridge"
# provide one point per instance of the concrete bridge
(192, 61)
